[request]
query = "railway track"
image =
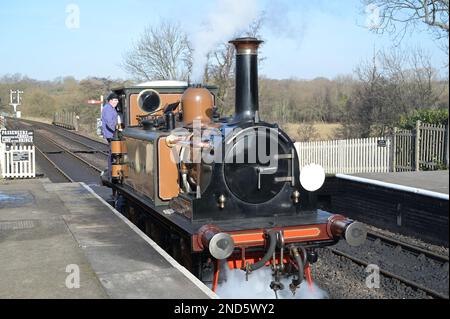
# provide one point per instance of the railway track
(95, 146)
(64, 155)
(54, 172)
(403, 246)
(416, 256)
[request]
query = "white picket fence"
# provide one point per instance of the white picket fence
(369, 155)
(425, 147)
(17, 161)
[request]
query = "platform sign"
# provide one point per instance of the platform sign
(11, 137)
(99, 127)
(21, 156)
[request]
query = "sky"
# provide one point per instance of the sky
(305, 39)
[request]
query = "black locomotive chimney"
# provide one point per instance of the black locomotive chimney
(246, 78)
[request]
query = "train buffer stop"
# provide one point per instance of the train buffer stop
(64, 241)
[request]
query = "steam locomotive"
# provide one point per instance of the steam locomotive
(215, 191)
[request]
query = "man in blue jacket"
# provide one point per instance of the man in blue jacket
(109, 122)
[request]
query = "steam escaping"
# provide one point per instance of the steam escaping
(257, 287)
(226, 19)
(287, 19)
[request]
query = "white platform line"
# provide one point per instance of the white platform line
(161, 251)
(408, 189)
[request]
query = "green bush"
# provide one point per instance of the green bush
(429, 116)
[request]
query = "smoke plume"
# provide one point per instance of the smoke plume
(226, 19)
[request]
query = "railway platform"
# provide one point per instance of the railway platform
(433, 181)
(409, 203)
(51, 235)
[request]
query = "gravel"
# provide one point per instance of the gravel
(428, 273)
(343, 279)
(411, 240)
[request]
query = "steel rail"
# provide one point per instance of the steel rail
(55, 166)
(66, 150)
(79, 142)
(428, 291)
(51, 129)
(77, 133)
(408, 247)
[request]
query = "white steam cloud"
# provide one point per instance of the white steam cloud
(287, 19)
(226, 19)
(257, 287)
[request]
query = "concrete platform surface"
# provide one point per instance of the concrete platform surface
(49, 232)
(435, 181)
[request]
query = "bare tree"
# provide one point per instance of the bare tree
(395, 82)
(413, 76)
(162, 53)
(400, 16)
(220, 70)
(425, 93)
(306, 132)
(404, 14)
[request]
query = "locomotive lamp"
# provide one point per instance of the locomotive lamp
(312, 177)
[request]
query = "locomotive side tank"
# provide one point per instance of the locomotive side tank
(211, 189)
